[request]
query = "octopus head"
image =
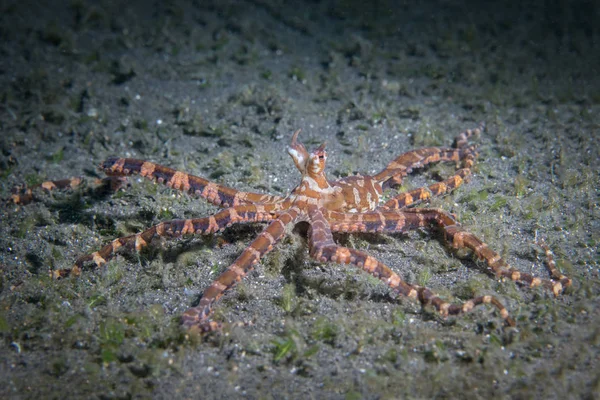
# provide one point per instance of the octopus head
(311, 164)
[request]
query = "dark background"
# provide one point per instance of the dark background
(216, 88)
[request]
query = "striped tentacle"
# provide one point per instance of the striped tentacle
(323, 248)
(174, 228)
(388, 221)
(198, 317)
(24, 195)
(461, 239)
(551, 265)
(437, 189)
(380, 220)
(404, 164)
(216, 194)
(462, 139)
(396, 170)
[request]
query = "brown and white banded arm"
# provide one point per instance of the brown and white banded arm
(198, 317)
(324, 249)
(215, 193)
(377, 221)
(24, 195)
(404, 164)
(409, 219)
(460, 239)
(423, 194)
(172, 229)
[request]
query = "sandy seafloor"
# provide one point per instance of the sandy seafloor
(216, 88)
